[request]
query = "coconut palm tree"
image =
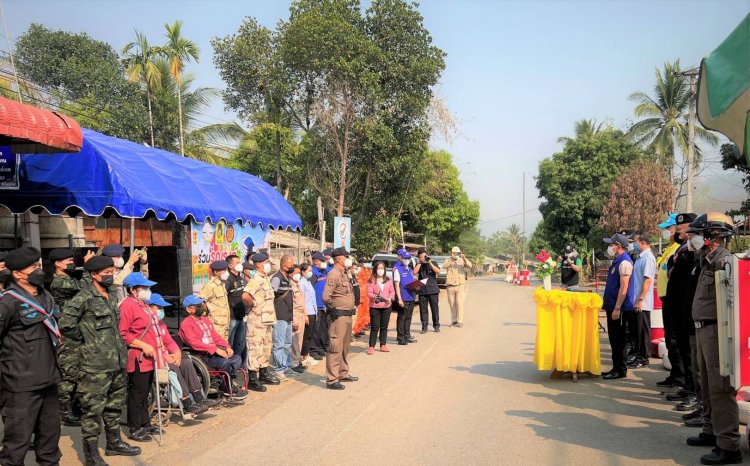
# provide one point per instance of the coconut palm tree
(140, 65)
(663, 127)
(179, 50)
(584, 128)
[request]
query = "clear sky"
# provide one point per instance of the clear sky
(518, 75)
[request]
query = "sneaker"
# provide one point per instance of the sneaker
(281, 376)
(371, 350)
(196, 409)
(459, 325)
(308, 361)
(239, 395)
(209, 403)
(384, 349)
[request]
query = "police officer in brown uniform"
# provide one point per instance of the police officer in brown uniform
(720, 412)
(338, 297)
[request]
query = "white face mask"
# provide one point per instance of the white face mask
(630, 247)
(296, 277)
(224, 275)
(348, 263)
(330, 261)
(666, 234)
(308, 275)
(322, 266)
(406, 261)
(356, 271)
(611, 251)
(381, 272)
(696, 243)
(266, 268)
(119, 262)
(238, 268)
(144, 295)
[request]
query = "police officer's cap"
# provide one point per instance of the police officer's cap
(97, 263)
(60, 255)
(339, 252)
(328, 252)
(247, 266)
(219, 265)
(19, 259)
(259, 257)
(319, 256)
(113, 250)
(682, 219)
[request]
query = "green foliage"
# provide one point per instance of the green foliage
(575, 183)
(473, 246)
(509, 243)
(731, 159)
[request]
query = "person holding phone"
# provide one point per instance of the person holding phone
(429, 295)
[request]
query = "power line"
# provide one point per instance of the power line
(509, 216)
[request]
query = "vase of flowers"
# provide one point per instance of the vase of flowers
(546, 268)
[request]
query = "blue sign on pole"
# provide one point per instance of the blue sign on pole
(9, 164)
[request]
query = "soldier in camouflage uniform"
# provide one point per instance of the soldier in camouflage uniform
(91, 320)
(258, 296)
(63, 288)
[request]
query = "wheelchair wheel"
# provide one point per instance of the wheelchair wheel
(166, 409)
(202, 370)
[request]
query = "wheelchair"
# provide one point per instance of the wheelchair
(212, 379)
(162, 412)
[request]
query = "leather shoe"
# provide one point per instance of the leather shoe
(140, 435)
(348, 378)
(693, 414)
(694, 422)
(668, 382)
(702, 440)
(424, 330)
(721, 456)
(402, 343)
(615, 375)
(679, 395)
(335, 386)
(637, 363)
(412, 340)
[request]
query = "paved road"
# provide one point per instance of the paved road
(462, 396)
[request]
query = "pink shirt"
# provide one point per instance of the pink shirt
(200, 335)
(135, 317)
(387, 292)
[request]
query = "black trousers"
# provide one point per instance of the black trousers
(430, 300)
(379, 320)
(188, 378)
(616, 332)
(139, 385)
(27, 413)
(630, 322)
(686, 348)
(674, 351)
(643, 320)
(307, 337)
(403, 320)
(321, 334)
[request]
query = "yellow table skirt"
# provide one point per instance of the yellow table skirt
(567, 332)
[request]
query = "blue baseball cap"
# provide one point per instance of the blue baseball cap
(157, 300)
(137, 279)
(403, 253)
(191, 300)
(669, 222)
(617, 238)
(319, 256)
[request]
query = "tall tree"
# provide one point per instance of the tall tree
(731, 159)
(140, 63)
(179, 50)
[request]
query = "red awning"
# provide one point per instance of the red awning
(32, 130)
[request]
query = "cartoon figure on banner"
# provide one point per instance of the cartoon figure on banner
(249, 247)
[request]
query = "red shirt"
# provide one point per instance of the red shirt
(200, 335)
(134, 320)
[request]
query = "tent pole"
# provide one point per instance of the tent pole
(132, 235)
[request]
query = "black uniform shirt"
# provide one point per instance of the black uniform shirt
(235, 285)
(28, 358)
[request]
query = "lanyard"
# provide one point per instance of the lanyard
(159, 350)
(49, 321)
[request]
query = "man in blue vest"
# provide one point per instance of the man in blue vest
(319, 343)
(618, 298)
(402, 276)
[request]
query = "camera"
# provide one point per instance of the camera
(379, 299)
(427, 258)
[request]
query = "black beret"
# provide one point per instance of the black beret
(60, 254)
(259, 257)
(21, 258)
(113, 250)
(339, 252)
(97, 263)
(219, 265)
(685, 218)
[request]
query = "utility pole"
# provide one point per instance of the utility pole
(523, 222)
(692, 76)
(321, 224)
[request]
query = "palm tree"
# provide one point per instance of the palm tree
(140, 65)
(584, 128)
(664, 124)
(517, 239)
(179, 51)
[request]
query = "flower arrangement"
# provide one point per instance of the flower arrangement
(547, 265)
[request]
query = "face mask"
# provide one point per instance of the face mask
(70, 268)
(238, 268)
(252, 273)
(296, 277)
(611, 251)
(631, 248)
(348, 263)
(225, 275)
(696, 243)
(119, 262)
(322, 266)
(308, 275)
(330, 261)
(666, 234)
(160, 314)
(677, 239)
(266, 268)
(455, 256)
(199, 311)
(144, 295)
(357, 270)
(106, 280)
(636, 247)
(36, 277)
(381, 272)
(406, 261)
(5, 275)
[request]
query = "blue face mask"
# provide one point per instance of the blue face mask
(160, 313)
(636, 248)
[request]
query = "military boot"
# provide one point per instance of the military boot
(91, 453)
(68, 417)
(254, 384)
(267, 377)
(115, 445)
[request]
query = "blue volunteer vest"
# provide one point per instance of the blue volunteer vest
(406, 278)
(613, 286)
(319, 286)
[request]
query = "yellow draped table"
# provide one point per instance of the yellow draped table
(567, 333)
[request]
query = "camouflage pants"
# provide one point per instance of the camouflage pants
(102, 399)
(68, 359)
(259, 343)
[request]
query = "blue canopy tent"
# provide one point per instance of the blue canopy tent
(115, 176)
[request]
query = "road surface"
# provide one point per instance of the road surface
(462, 396)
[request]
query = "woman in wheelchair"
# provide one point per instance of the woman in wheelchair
(194, 401)
(198, 333)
